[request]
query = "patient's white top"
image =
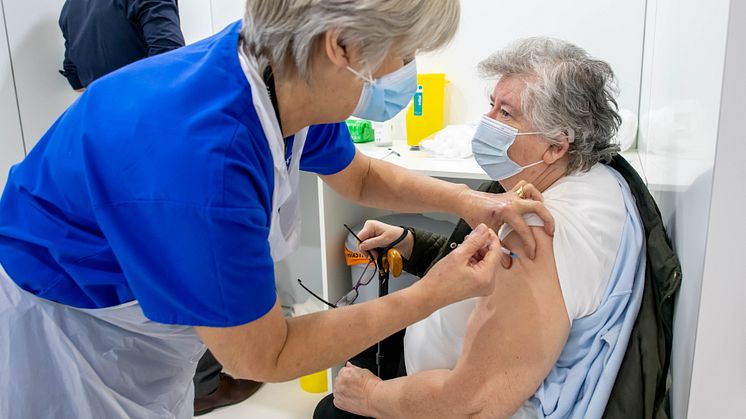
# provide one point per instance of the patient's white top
(589, 213)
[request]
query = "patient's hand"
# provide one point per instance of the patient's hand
(376, 234)
(352, 389)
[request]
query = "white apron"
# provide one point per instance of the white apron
(62, 362)
(284, 233)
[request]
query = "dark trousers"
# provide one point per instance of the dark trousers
(392, 366)
(207, 376)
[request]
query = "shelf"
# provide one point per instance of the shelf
(422, 162)
(676, 173)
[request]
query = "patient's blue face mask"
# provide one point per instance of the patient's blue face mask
(490, 146)
(386, 96)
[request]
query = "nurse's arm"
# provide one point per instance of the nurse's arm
(273, 348)
(379, 184)
(513, 339)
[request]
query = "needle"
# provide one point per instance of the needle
(508, 252)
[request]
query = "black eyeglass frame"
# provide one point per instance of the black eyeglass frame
(362, 281)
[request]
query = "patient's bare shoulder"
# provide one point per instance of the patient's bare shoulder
(515, 336)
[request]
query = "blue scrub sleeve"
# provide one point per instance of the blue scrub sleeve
(193, 265)
(328, 149)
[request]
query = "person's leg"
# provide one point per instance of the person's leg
(214, 388)
(393, 355)
(207, 376)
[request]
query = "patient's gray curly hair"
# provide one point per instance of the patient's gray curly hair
(285, 32)
(567, 92)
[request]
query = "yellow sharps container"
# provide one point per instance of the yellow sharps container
(426, 113)
(315, 383)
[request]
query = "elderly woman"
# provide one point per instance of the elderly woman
(145, 223)
(548, 341)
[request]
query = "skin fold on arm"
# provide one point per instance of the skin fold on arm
(513, 338)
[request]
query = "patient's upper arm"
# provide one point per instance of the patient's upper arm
(515, 336)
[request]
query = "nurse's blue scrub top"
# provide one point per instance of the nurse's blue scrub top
(156, 185)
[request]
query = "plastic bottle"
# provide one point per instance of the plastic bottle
(426, 114)
(383, 133)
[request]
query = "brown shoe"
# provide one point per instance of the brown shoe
(230, 391)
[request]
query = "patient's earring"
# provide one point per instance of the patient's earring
(393, 262)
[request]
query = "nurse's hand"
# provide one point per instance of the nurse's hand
(352, 389)
(469, 270)
(509, 207)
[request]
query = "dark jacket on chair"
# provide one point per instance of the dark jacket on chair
(641, 388)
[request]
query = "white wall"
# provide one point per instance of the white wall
(718, 382)
(11, 142)
(681, 129)
(486, 26)
(609, 30)
(196, 19)
(37, 50)
(202, 18)
(225, 12)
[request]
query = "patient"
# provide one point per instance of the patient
(549, 340)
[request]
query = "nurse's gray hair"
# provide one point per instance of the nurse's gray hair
(286, 32)
(568, 93)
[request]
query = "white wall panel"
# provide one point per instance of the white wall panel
(680, 106)
(225, 12)
(487, 25)
(37, 50)
(196, 19)
(609, 30)
(202, 18)
(11, 141)
(718, 382)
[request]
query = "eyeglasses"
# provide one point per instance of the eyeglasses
(365, 277)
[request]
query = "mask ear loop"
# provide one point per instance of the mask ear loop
(552, 141)
(532, 164)
(368, 79)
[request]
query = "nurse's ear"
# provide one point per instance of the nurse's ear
(339, 52)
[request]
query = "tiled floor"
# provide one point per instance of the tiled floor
(272, 401)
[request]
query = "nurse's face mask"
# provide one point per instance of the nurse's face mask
(386, 96)
(490, 146)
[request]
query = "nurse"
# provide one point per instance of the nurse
(145, 223)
